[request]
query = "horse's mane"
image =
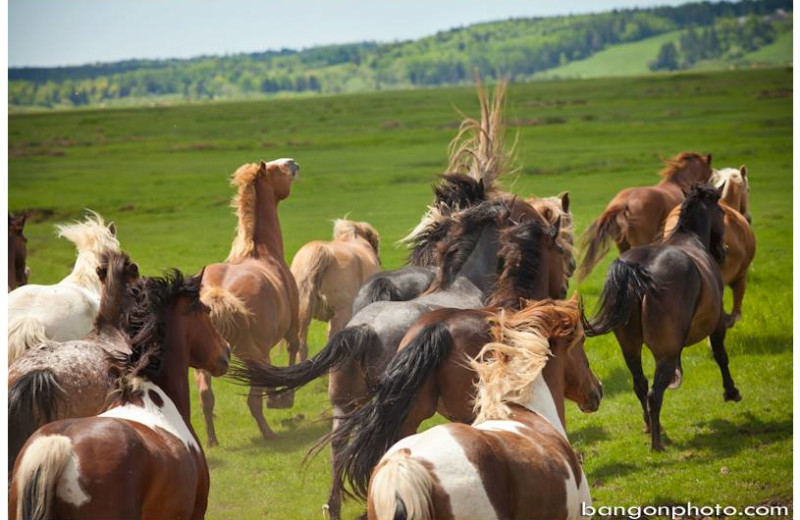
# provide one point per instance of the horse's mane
(520, 257)
(245, 203)
(479, 147)
(454, 251)
(678, 163)
(350, 230)
(695, 197)
(145, 322)
(508, 366)
(92, 238)
(727, 176)
(115, 272)
(551, 209)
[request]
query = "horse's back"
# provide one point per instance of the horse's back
(66, 311)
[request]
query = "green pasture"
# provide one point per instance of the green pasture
(162, 175)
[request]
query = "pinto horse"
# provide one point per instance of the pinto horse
(18, 272)
(635, 217)
(740, 241)
(669, 296)
(141, 458)
(64, 311)
(429, 373)
(60, 380)
(253, 296)
(329, 275)
(515, 460)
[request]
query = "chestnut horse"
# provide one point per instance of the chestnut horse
(514, 461)
(429, 373)
(329, 275)
(740, 242)
(141, 458)
(669, 296)
(635, 217)
(61, 380)
(253, 296)
(18, 272)
(64, 311)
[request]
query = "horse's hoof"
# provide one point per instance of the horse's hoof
(657, 447)
(734, 396)
(211, 443)
(731, 319)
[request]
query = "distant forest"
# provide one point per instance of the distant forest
(514, 48)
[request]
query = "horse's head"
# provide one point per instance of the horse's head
(735, 188)
(18, 272)
(279, 174)
(207, 349)
(581, 385)
(555, 211)
(688, 168)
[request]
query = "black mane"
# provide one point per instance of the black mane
(520, 260)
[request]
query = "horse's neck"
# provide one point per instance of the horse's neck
(512, 288)
(698, 229)
(84, 274)
(684, 178)
(173, 378)
(733, 197)
(481, 265)
(267, 237)
(547, 395)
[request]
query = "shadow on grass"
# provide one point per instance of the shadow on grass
(725, 438)
(618, 381)
(300, 438)
(613, 470)
(589, 434)
(755, 343)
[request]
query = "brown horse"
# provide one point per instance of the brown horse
(141, 458)
(515, 461)
(329, 275)
(253, 296)
(740, 242)
(556, 210)
(635, 217)
(18, 272)
(429, 374)
(669, 296)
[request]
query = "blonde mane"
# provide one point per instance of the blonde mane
(509, 365)
(678, 163)
(350, 230)
(478, 149)
(245, 203)
(93, 239)
(727, 176)
(433, 216)
(551, 209)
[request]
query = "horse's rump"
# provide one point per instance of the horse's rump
(401, 488)
(308, 268)
(24, 333)
(612, 225)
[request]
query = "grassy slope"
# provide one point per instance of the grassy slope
(778, 52)
(627, 59)
(162, 175)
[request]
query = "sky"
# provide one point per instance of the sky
(47, 33)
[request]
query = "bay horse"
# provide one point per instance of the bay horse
(329, 275)
(252, 295)
(64, 311)
(18, 271)
(669, 296)
(740, 241)
(515, 460)
(141, 458)
(635, 216)
(430, 372)
(60, 380)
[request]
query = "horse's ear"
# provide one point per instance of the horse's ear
(133, 270)
(743, 171)
(24, 217)
(708, 159)
(262, 167)
(201, 273)
(112, 228)
(564, 196)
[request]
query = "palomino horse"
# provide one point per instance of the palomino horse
(64, 311)
(635, 217)
(740, 242)
(329, 275)
(429, 373)
(515, 460)
(253, 296)
(60, 380)
(141, 458)
(18, 272)
(669, 296)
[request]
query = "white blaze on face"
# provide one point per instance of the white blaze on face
(165, 417)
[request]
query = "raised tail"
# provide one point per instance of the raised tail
(228, 311)
(308, 268)
(626, 284)
(597, 238)
(24, 332)
(37, 474)
(377, 425)
(401, 489)
(344, 346)
(33, 401)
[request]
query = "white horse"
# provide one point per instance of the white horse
(64, 311)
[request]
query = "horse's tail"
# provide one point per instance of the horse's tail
(379, 289)
(33, 400)
(597, 237)
(401, 489)
(24, 332)
(377, 425)
(37, 474)
(626, 284)
(346, 345)
(228, 311)
(308, 267)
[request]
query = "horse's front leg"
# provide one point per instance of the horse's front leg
(738, 287)
(721, 357)
(255, 402)
(665, 372)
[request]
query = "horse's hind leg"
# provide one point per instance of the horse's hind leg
(738, 287)
(630, 341)
(334, 505)
(665, 371)
(255, 402)
(203, 380)
(721, 357)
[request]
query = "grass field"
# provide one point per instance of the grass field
(161, 174)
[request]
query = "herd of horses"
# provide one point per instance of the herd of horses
(477, 327)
